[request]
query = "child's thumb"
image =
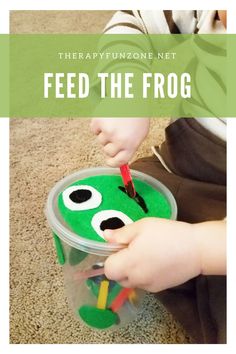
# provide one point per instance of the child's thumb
(123, 235)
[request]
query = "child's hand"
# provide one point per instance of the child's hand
(120, 137)
(164, 253)
(160, 254)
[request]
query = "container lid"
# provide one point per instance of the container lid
(61, 228)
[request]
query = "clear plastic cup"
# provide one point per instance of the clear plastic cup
(97, 301)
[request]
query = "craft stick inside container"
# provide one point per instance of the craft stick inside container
(120, 299)
(102, 295)
(81, 275)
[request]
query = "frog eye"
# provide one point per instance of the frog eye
(109, 219)
(81, 197)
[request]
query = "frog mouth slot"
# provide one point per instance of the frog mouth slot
(138, 199)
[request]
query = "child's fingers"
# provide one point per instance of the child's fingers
(111, 149)
(126, 283)
(95, 126)
(120, 159)
(124, 235)
(103, 139)
(117, 265)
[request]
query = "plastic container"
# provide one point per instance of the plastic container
(100, 303)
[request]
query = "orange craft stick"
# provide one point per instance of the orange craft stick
(132, 297)
(120, 299)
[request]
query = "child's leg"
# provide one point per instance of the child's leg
(200, 304)
(197, 201)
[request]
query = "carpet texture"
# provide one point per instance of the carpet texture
(42, 151)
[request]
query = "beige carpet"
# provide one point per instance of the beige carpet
(42, 151)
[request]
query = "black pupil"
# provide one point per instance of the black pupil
(80, 195)
(111, 223)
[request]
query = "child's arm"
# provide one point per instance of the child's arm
(211, 237)
(161, 254)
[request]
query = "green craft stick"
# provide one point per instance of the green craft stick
(92, 286)
(113, 293)
(59, 249)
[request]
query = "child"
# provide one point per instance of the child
(183, 261)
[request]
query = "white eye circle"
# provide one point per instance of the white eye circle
(109, 219)
(81, 197)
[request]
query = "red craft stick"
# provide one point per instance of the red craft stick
(127, 180)
(120, 299)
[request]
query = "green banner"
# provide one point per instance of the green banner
(4, 76)
(84, 75)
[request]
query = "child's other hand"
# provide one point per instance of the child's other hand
(120, 137)
(160, 254)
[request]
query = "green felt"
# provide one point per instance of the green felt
(114, 199)
(59, 249)
(97, 318)
(76, 256)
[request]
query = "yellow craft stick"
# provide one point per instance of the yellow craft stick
(102, 296)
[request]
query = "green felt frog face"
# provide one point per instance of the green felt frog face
(96, 203)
